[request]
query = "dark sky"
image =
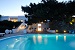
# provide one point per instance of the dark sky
(13, 7)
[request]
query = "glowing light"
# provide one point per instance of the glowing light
(21, 27)
(73, 20)
(65, 31)
(16, 39)
(56, 38)
(39, 27)
(15, 20)
(73, 16)
(71, 23)
(41, 22)
(22, 21)
(39, 39)
(45, 20)
(13, 26)
(65, 38)
(12, 20)
(56, 30)
(34, 39)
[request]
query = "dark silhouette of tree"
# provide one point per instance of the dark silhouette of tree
(50, 10)
(0, 17)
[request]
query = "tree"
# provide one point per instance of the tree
(0, 17)
(51, 10)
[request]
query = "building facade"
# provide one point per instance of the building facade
(14, 18)
(39, 26)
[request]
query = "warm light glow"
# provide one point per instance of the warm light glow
(45, 20)
(71, 23)
(56, 30)
(64, 31)
(56, 38)
(39, 39)
(41, 22)
(13, 26)
(22, 27)
(39, 27)
(73, 20)
(34, 39)
(65, 38)
(13, 20)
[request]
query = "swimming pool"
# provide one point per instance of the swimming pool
(39, 42)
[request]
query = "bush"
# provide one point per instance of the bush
(8, 25)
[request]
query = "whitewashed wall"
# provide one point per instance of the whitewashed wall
(43, 26)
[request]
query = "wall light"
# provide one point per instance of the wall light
(65, 31)
(56, 30)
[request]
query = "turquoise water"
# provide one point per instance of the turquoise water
(39, 42)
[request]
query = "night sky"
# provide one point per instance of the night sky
(13, 7)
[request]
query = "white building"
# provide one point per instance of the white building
(39, 26)
(14, 18)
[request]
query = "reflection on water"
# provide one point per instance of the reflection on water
(60, 37)
(39, 38)
(34, 39)
(65, 38)
(45, 40)
(56, 37)
(40, 42)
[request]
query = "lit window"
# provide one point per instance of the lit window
(39, 27)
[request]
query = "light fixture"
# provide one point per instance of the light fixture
(41, 22)
(45, 20)
(71, 23)
(56, 30)
(64, 31)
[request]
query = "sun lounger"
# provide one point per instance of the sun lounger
(2, 34)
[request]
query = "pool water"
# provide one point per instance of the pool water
(39, 42)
